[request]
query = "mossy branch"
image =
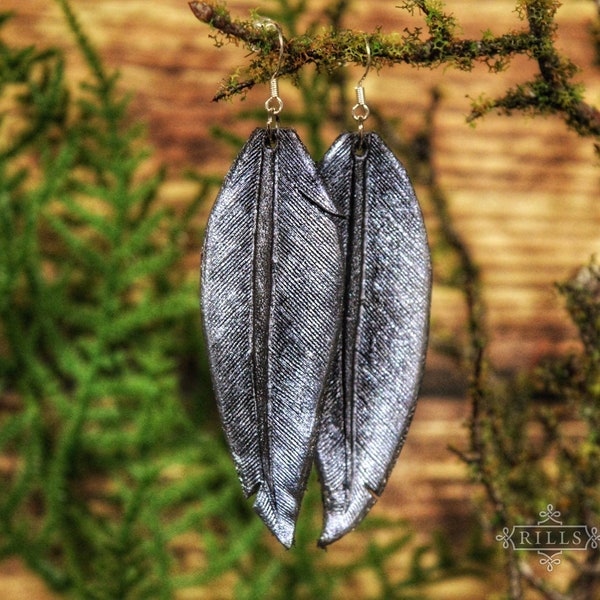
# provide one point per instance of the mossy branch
(435, 44)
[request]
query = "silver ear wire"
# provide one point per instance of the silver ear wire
(360, 111)
(274, 103)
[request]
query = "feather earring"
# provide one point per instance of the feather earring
(373, 385)
(271, 279)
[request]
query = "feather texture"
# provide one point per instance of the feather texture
(271, 280)
(373, 385)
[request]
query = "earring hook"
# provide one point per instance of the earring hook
(277, 26)
(274, 103)
(360, 111)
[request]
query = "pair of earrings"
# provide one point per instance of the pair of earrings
(316, 285)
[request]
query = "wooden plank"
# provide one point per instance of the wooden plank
(524, 194)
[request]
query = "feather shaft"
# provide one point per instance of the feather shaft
(262, 280)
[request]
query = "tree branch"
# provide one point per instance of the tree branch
(551, 91)
(335, 48)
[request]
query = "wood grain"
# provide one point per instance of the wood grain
(524, 192)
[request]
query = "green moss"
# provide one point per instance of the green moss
(98, 325)
(119, 468)
(432, 45)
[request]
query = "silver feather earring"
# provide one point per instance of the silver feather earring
(372, 388)
(271, 278)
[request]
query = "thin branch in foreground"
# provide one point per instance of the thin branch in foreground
(552, 91)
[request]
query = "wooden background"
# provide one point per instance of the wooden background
(524, 191)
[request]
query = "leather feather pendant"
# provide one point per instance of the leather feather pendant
(373, 384)
(271, 280)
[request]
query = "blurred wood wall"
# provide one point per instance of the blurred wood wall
(524, 191)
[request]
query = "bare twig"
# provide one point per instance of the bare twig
(477, 454)
(539, 584)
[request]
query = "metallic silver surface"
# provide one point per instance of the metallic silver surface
(271, 285)
(373, 385)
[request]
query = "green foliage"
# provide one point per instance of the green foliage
(106, 469)
(118, 485)
(540, 433)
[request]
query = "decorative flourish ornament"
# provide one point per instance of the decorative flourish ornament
(271, 281)
(373, 385)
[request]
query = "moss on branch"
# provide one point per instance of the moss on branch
(436, 43)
